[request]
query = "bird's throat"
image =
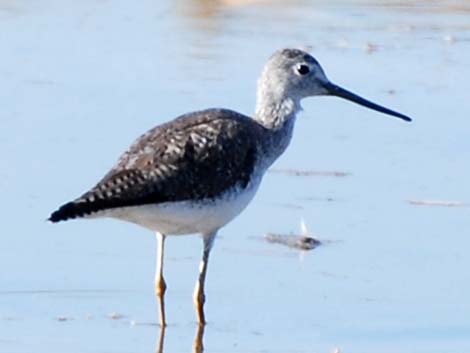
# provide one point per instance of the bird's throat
(274, 113)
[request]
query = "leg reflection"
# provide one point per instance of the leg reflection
(161, 340)
(198, 346)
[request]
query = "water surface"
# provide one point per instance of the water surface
(80, 81)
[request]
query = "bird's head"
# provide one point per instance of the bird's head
(292, 74)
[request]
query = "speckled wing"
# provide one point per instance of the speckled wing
(196, 156)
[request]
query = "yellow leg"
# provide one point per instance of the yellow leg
(160, 285)
(199, 296)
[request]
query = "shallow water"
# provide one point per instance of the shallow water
(81, 81)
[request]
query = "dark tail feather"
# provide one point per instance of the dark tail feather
(70, 210)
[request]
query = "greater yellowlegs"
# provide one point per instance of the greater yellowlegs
(198, 172)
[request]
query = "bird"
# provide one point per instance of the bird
(196, 173)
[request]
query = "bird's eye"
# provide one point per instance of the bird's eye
(303, 69)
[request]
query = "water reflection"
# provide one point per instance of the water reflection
(198, 346)
(210, 8)
(161, 340)
(213, 16)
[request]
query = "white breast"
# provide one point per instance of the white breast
(187, 217)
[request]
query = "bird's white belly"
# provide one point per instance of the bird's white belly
(186, 217)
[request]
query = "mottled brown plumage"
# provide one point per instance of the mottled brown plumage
(190, 158)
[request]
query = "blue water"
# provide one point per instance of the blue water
(80, 81)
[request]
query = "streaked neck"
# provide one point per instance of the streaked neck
(273, 112)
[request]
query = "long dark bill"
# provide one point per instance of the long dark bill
(337, 91)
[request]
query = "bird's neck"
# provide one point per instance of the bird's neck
(273, 112)
(278, 119)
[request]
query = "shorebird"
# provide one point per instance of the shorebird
(197, 172)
